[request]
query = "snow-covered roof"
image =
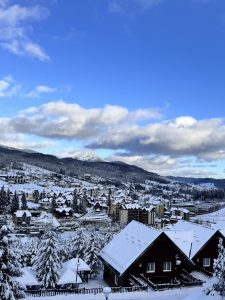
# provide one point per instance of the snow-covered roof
(76, 264)
(32, 205)
(68, 273)
(189, 237)
(128, 245)
(68, 276)
(63, 209)
(20, 213)
(137, 206)
(28, 277)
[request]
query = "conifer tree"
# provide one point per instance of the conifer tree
(47, 262)
(75, 203)
(53, 203)
(10, 289)
(36, 196)
(82, 206)
(79, 244)
(23, 202)
(219, 270)
(91, 255)
(15, 203)
(3, 200)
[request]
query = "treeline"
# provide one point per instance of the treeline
(216, 194)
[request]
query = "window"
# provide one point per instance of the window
(206, 262)
(167, 266)
(150, 267)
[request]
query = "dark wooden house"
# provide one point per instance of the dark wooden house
(200, 243)
(22, 217)
(142, 254)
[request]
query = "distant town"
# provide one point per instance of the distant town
(136, 236)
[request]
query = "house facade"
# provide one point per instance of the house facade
(22, 217)
(131, 212)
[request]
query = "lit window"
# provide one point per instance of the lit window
(150, 267)
(206, 262)
(167, 266)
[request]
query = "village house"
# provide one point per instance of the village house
(22, 217)
(180, 213)
(142, 254)
(130, 212)
(198, 242)
(63, 212)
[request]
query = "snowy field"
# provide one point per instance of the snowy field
(215, 219)
(175, 294)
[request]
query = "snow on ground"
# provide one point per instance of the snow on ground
(215, 219)
(175, 294)
(46, 218)
(208, 185)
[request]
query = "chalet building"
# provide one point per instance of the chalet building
(22, 217)
(130, 212)
(63, 212)
(100, 206)
(143, 254)
(198, 242)
(180, 213)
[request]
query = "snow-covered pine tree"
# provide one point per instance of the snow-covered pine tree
(219, 271)
(91, 255)
(23, 202)
(10, 289)
(75, 202)
(14, 203)
(36, 196)
(47, 262)
(79, 243)
(53, 203)
(26, 252)
(82, 206)
(3, 200)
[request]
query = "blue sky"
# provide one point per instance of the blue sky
(141, 81)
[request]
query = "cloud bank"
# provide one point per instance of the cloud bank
(140, 137)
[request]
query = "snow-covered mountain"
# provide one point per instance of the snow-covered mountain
(85, 156)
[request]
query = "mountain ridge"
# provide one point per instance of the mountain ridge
(116, 170)
(75, 167)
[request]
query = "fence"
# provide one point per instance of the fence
(94, 291)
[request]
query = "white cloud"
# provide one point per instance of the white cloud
(8, 87)
(71, 121)
(183, 136)
(167, 166)
(15, 26)
(40, 89)
(156, 145)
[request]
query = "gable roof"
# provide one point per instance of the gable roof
(189, 237)
(128, 245)
(20, 213)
